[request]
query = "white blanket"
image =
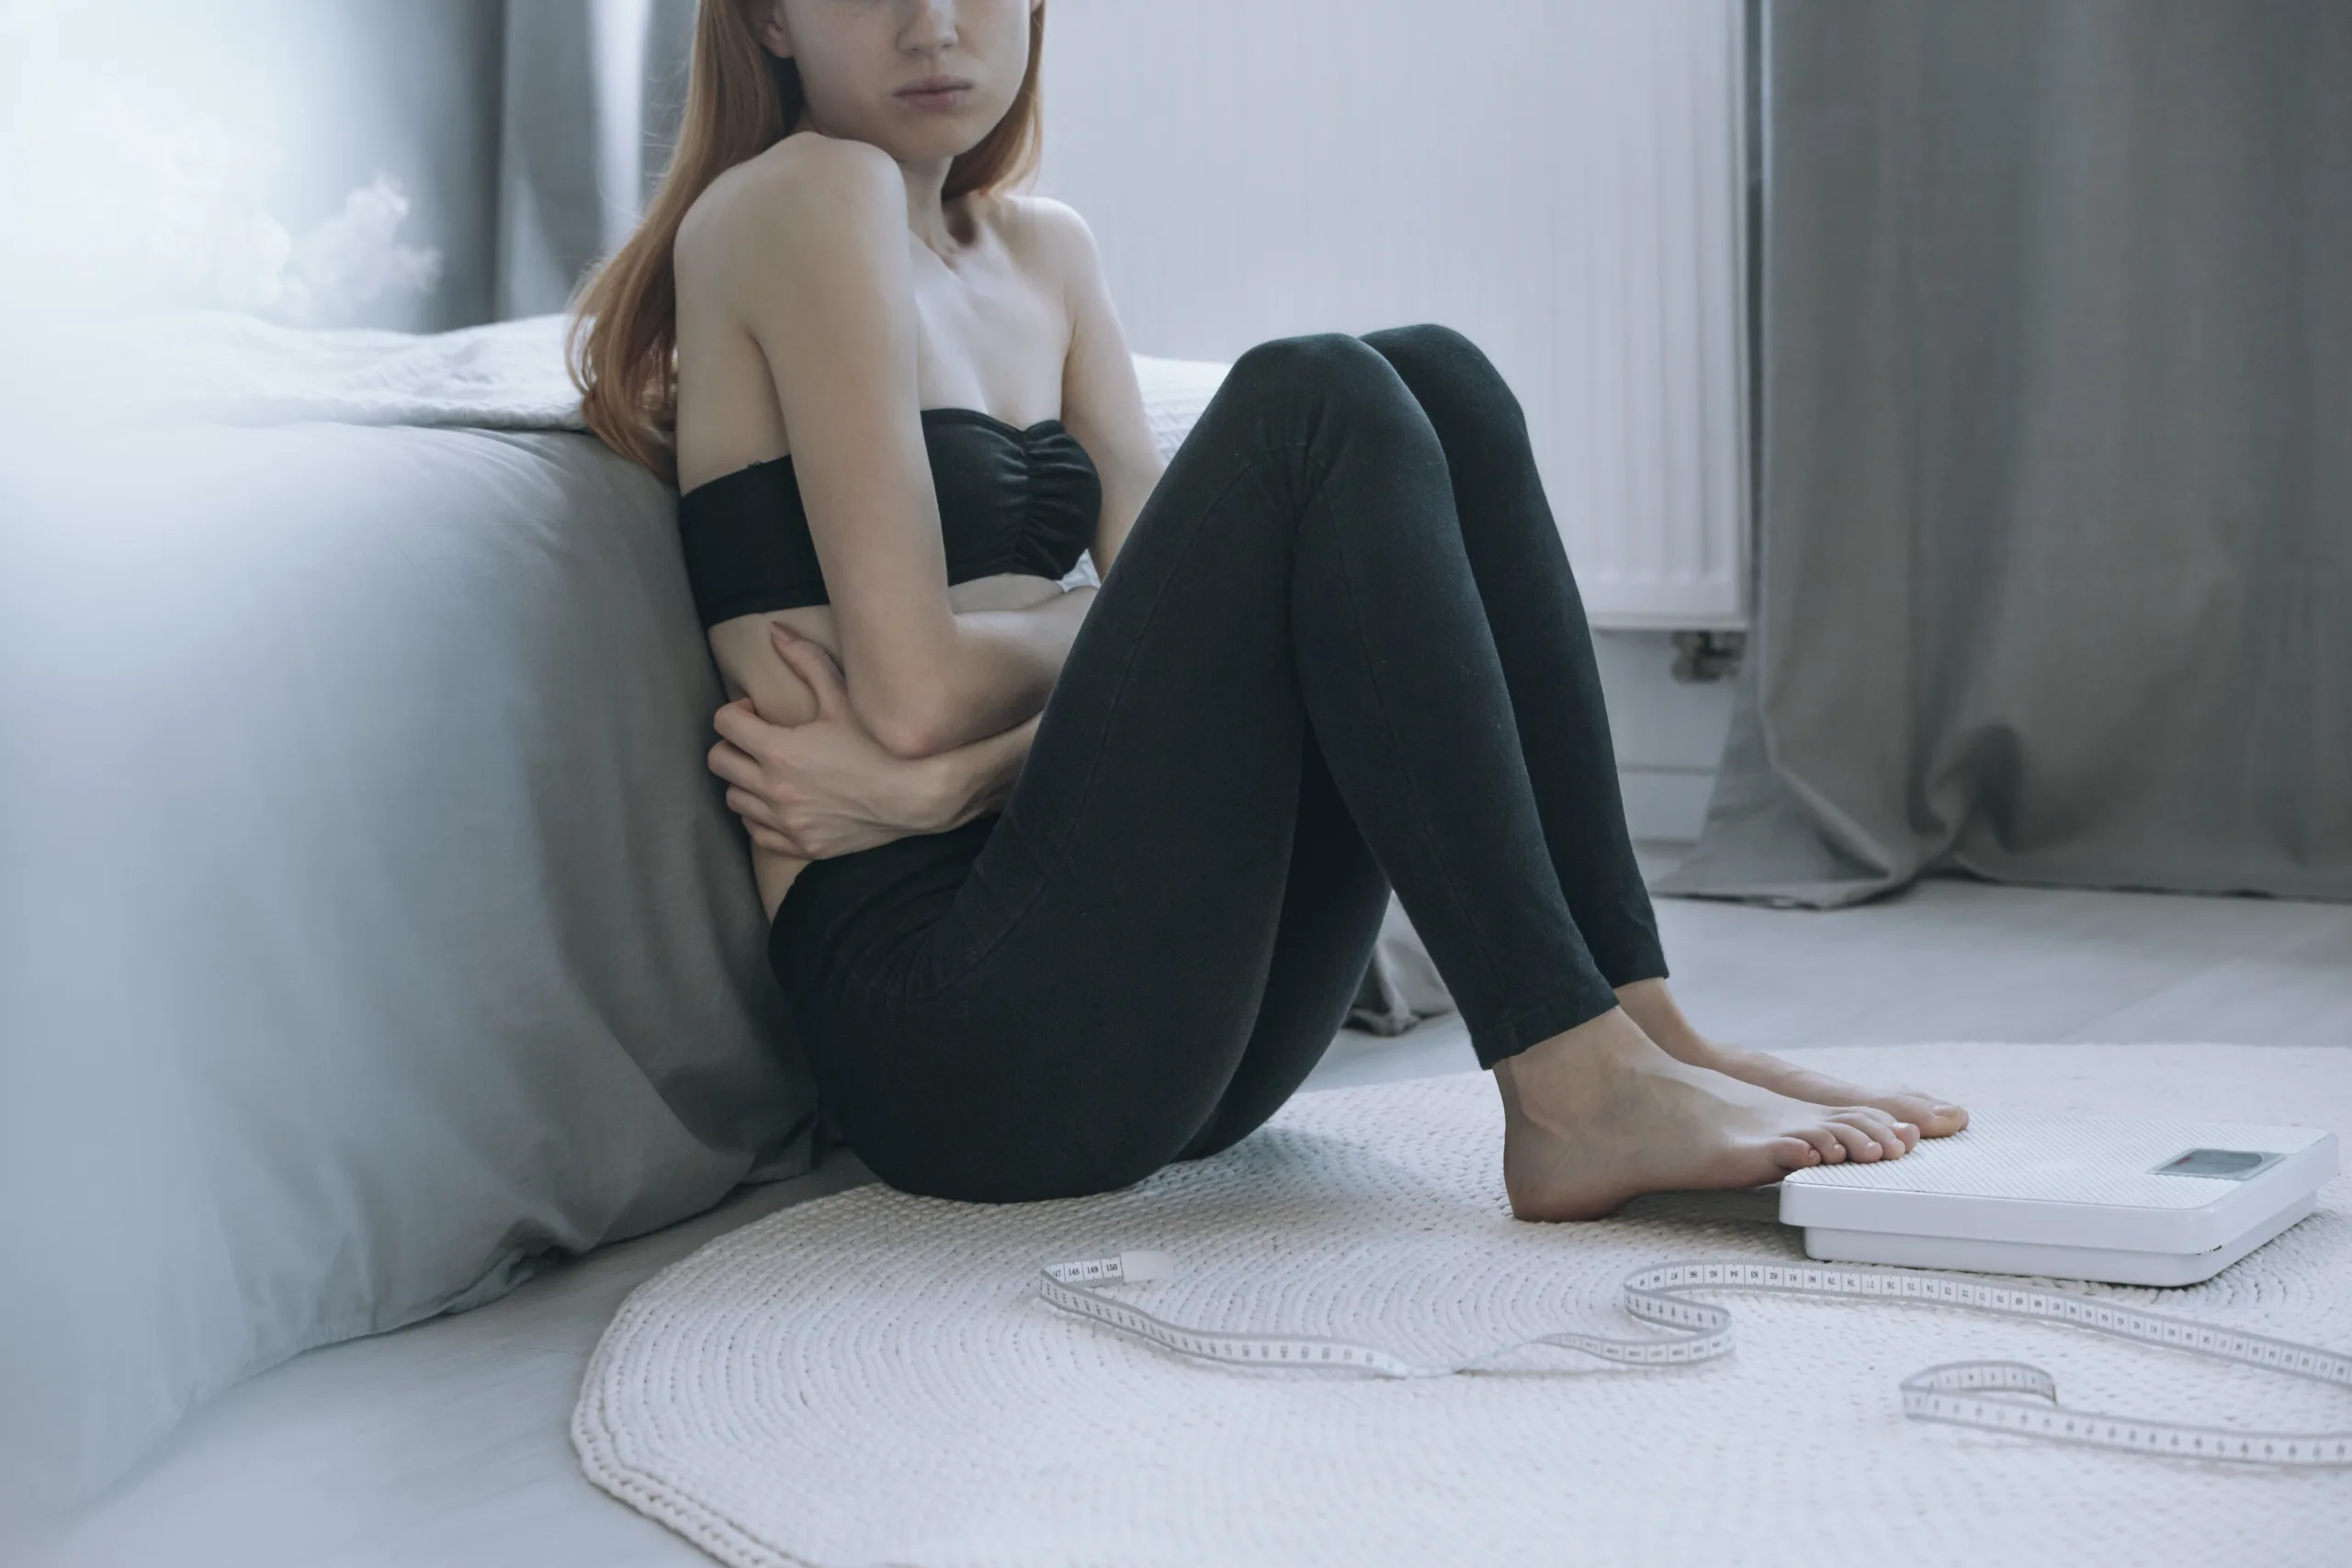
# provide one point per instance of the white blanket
(222, 367)
(225, 367)
(370, 928)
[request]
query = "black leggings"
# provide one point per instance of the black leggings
(1340, 649)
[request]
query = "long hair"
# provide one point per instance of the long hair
(621, 345)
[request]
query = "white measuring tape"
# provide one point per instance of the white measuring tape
(1964, 1394)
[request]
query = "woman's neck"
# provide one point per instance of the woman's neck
(927, 216)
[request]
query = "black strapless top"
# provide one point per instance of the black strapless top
(1009, 499)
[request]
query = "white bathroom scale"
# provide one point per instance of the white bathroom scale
(2128, 1202)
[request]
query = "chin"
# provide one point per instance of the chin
(945, 142)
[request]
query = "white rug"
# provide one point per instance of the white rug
(871, 1378)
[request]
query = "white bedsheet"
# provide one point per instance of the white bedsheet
(370, 928)
(225, 368)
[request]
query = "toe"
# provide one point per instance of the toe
(1793, 1154)
(1858, 1144)
(1879, 1125)
(1934, 1118)
(1825, 1143)
(1826, 1148)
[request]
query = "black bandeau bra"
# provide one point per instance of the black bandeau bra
(1009, 499)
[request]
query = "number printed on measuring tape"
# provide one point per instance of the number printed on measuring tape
(1999, 1396)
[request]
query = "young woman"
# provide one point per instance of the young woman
(1064, 886)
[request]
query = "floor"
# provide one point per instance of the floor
(1957, 959)
(445, 1445)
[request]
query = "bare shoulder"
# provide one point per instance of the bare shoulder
(808, 194)
(1050, 238)
(795, 317)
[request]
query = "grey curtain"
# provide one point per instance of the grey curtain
(588, 112)
(2055, 545)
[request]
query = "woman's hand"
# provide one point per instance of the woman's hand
(824, 788)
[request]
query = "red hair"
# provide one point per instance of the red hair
(621, 345)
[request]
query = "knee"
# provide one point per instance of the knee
(1336, 374)
(1423, 337)
(1313, 360)
(1437, 359)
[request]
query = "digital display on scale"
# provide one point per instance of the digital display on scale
(2229, 1165)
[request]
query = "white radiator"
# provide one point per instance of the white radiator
(1562, 180)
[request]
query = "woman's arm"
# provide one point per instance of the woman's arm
(1103, 408)
(1032, 615)
(808, 255)
(824, 788)
(1102, 401)
(1038, 636)
(974, 780)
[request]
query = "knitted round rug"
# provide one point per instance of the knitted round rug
(873, 1378)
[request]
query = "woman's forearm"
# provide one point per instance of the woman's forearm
(975, 778)
(825, 787)
(1011, 658)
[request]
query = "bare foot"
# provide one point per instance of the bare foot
(1601, 1114)
(1653, 1007)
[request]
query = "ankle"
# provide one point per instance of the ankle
(1546, 1084)
(1649, 1004)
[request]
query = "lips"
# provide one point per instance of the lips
(934, 85)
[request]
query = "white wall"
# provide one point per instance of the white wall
(1668, 733)
(1563, 180)
(298, 102)
(345, 88)
(1260, 167)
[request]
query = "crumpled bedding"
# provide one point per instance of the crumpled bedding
(371, 930)
(225, 368)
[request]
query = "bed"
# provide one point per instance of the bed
(372, 935)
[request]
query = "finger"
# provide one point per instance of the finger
(739, 722)
(754, 811)
(769, 839)
(733, 764)
(815, 663)
(809, 661)
(784, 636)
